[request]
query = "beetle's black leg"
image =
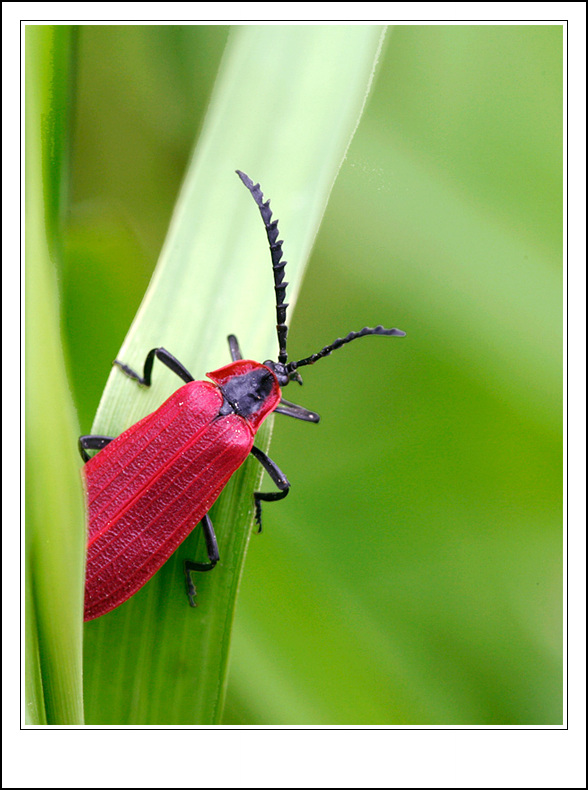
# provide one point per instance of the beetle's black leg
(294, 410)
(162, 355)
(92, 442)
(276, 475)
(234, 348)
(213, 556)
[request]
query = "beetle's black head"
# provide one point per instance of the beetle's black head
(281, 372)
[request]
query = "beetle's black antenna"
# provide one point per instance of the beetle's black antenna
(278, 265)
(341, 341)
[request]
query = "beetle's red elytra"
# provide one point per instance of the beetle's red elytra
(148, 488)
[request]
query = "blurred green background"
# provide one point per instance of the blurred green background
(414, 574)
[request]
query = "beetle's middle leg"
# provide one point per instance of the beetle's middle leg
(162, 355)
(213, 556)
(276, 475)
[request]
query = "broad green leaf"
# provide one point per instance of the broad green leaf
(55, 533)
(285, 105)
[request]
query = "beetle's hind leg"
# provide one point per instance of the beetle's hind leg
(162, 355)
(213, 556)
(92, 442)
(276, 475)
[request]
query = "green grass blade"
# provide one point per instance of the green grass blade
(284, 108)
(54, 509)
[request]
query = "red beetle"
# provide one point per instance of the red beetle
(148, 488)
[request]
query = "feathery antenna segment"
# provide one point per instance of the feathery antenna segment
(284, 370)
(278, 265)
(378, 330)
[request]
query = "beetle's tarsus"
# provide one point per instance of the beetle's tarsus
(191, 589)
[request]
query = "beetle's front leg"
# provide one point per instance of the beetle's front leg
(234, 348)
(213, 556)
(276, 475)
